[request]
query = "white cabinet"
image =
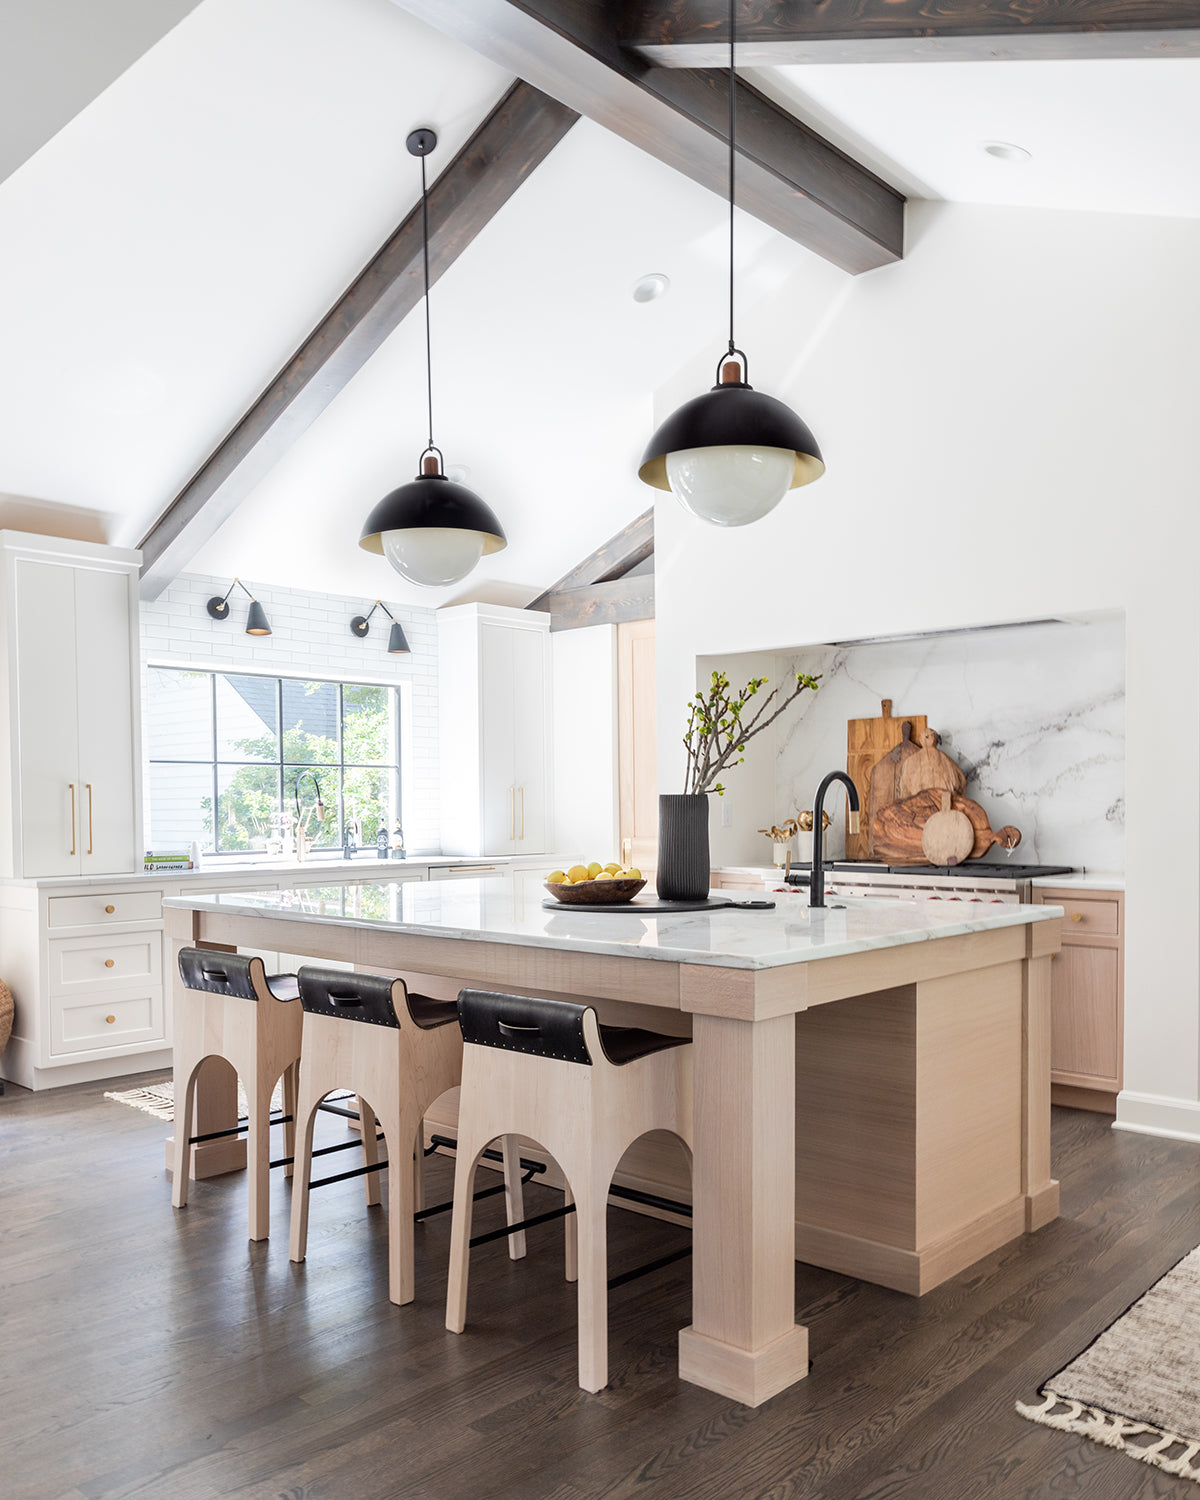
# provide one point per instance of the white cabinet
(494, 711)
(71, 800)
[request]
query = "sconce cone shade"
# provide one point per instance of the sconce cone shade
(397, 645)
(256, 620)
(730, 455)
(432, 530)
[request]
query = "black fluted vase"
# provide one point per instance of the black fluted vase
(682, 872)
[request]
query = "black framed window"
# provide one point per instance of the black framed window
(237, 760)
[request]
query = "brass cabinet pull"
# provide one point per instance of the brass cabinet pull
(110, 910)
(108, 963)
(72, 817)
(110, 1020)
(1076, 916)
(522, 812)
(91, 840)
(627, 851)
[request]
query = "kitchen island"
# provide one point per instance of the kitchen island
(904, 1049)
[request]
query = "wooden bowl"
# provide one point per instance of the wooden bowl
(595, 892)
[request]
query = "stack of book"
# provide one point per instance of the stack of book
(160, 860)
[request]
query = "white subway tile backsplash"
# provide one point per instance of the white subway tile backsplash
(311, 634)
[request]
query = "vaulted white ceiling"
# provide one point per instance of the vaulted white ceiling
(183, 218)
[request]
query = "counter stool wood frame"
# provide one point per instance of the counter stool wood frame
(230, 1008)
(398, 1052)
(547, 1069)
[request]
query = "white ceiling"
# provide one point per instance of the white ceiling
(165, 252)
(1105, 136)
(57, 55)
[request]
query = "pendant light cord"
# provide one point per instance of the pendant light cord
(732, 94)
(428, 339)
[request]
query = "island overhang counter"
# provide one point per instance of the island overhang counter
(872, 1079)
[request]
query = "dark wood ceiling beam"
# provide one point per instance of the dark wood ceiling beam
(788, 176)
(695, 33)
(631, 545)
(610, 603)
(514, 139)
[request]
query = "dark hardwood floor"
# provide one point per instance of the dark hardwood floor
(150, 1353)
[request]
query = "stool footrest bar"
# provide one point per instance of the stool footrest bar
(654, 1265)
(500, 1234)
(532, 1167)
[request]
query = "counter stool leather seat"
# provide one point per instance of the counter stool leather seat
(548, 1070)
(398, 1051)
(230, 1008)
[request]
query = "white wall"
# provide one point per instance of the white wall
(1007, 417)
(586, 822)
(310, 635)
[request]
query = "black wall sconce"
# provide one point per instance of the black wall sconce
(256, 618)
(397, 645)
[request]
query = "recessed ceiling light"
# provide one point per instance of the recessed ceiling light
(1006, 151)
(651, 287)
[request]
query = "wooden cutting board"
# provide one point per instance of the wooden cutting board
(930, 769)
(867, 742)
(898, 830)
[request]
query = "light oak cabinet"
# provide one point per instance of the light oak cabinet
(1087, 995)
(71, 792)
(494, 716)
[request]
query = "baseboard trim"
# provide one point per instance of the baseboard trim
(1158, 1114)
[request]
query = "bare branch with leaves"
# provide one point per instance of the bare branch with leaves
(719, 726)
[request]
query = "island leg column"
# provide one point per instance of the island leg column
(743, 1341)
(1043, 940)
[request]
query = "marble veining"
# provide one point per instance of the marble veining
(1035, 716)
(487, 910)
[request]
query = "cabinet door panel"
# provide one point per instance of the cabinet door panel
(47, 734)
(529, 739)
(108, 816)
(1085, 1038)
(498, 715)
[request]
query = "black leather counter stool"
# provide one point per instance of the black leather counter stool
(398, 1052)
(547, 1069)
(229, 1008)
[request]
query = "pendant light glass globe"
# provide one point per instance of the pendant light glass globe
(432, 555)
(730, 486)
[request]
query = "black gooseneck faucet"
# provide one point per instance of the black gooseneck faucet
(816, 884)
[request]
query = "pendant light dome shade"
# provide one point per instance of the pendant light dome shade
(730, 455)
(432, 530)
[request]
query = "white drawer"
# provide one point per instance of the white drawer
(88, 963)
(466, 872)
(82, 1024)
(103, 908)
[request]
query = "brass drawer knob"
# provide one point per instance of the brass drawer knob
(108, 963)
(111, 1020)
(1076, 916)
(110, 910)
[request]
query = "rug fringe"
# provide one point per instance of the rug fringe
(1113, 1431)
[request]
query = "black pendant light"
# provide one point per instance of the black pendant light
(731, 455)
(432, 530)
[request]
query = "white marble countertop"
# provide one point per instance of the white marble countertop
(1082, 880)
(486, 910)
(324, 866)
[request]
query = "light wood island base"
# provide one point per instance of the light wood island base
(877, 1098)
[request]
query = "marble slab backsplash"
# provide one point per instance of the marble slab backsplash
(1034, 715)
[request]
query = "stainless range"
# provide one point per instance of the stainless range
(975, 881)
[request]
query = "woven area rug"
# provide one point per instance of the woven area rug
(158, 1099)
(1137, 1388)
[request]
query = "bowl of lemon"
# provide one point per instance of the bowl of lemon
(594, 884)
